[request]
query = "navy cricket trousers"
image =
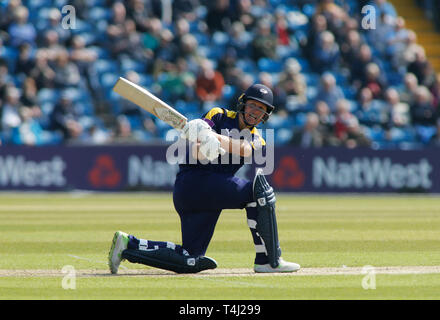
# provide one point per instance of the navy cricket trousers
(199, 197)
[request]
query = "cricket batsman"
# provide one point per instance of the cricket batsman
(205, 187)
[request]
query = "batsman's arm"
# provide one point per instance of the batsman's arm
(235, 146)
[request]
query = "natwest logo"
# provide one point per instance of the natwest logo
(371, 173)
(17, 171)
(288, 174)
(104, 173)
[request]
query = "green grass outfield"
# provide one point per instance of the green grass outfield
(332, 236)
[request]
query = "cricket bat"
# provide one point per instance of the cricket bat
(149, 102)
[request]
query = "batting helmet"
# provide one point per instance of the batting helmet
(258, 92)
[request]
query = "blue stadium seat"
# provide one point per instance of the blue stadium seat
(270, 65)
(283, 136)
(99, 13)
(228, 92)
(425, 133)
(46, 95)
(246, 65)
(202, 39)
(146, 80)
(132, 65)
(106, 65)
(220, 38)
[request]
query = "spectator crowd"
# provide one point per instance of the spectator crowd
(335, 82)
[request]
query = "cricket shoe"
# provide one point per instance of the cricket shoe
(283, 266)
(119, 244)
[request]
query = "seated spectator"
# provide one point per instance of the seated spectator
(326, 53)
(21, 31)
(422, 69)
(350, 47)
(25, 61)
(29, 93)
(379, 36)
(398, 112)
(347, 131)
(356, 137)
(65, 119)
(403, 58)
(239, 40)
(336, 15)
(282, 28)
(138, 11)
(84, 58)
(80, 55)
(374, 81)
(310, 135)
(10, 112)
(292, 81)
(408, 90)
(43, 73)
(209, 82)
(66, 72)
(52, 45)
(371, 111)
(242, 12)
(54, 23)
(358, 67)
(7, 9)
(218, 18)
(5, 79)
(151, 38)
(115, 29)
(165, 55)
(185, 9)
(326, 117)
(397, 38)
(188, 50)
(318, 25)
(181, 28)
(264, 42)
(227, 66)
(177, 83)
(29, 131)
(123, 132)
(329, 91)
(422, 110)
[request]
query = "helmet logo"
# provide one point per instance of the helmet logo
(263, 91)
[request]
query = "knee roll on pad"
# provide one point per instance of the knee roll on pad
(168, 259)
(266, 218)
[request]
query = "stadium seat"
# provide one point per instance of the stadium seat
(228, 91)
(99, 13)
(425, 133)
(132, 65)
(283, 136)
(46, 95)
(106, 65)
(270, 65)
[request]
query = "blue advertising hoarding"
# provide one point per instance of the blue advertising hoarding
(122, 168)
